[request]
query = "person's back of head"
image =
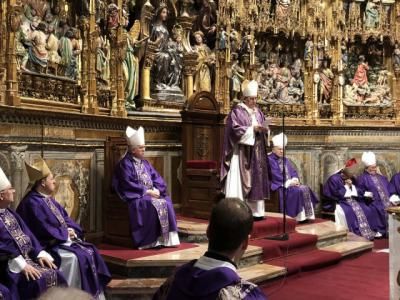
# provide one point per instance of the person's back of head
(231, 222)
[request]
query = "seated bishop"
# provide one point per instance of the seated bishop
(151, 212)
(26, 269)
(394, 189)
(80, 262)
(300, 199)
(351, 211)
(375, 189)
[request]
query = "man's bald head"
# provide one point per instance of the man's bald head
(230, 224)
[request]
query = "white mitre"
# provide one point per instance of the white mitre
(368, 158)
(4, 182)
(250, 88)
(280, 140)
(134, 137)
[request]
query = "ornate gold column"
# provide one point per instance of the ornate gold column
(91, 64)
(190, 62)
(14, 11)
(309, 98)
(84, 24)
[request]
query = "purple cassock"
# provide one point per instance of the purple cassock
(359, 216)
(394, 187)
(378, 185)
(253, 164)
(149, 218)
(297, 197)
(195, 283)
(15, 240)
(50, 222)
(4, 293)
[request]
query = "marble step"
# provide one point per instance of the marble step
(144, 288)
(348, 248)
(162, 265)
(328, 232)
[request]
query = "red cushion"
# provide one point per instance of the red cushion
(201, 164)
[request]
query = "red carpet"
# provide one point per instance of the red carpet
(271, 226)
(364, 277)
(297, 243)
(381, 244)
(122, 253)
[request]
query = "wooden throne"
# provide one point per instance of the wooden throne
(202, 139)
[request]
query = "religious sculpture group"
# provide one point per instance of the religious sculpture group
(316, 60)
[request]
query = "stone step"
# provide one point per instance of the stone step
(144, 288)
(328, 232)
(347, 248)
(162, 265)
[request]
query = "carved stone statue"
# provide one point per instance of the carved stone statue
(308, 51)
(282, 82)
(38, 54)
(236, 74)
(52, 46)
(206, 22)
(205, 62)
(325, 84)
(282, 10)
(102, 58)
(112, 16)
(69, 50)
(372, 14)
(168, 59)
(296, 89)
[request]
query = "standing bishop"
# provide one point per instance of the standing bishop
(244, 164)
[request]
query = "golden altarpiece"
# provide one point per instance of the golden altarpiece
(74, 73)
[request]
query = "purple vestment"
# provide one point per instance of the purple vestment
(190, 282)
(253, 161)
(394, 187)
(50, 222)
(4, 293)
(149, 218)
(16, 239)
(379, 186)
(359, 217)
(297, 197)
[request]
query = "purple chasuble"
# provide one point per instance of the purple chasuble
(4, 293)
(253, 163)
(50, 222)
(16, 239)
(297, 197)
(379, 186)
(149, 218)
(359, 217)
(190, 282)
(394, 187)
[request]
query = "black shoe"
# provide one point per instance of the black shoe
(258, 219)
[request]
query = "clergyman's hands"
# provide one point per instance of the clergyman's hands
(31, 273)
(45, 262)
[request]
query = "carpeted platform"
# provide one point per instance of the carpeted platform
(124, 254)
(364, 277)
(271, 226)
(297, 243)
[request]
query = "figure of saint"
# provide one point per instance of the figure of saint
(112, 16)
(296, 88)
(38, 54)
(325, 83)
(282, 10)
(234, 41)
(361, 76)
(167, 67)
(206, 22)
(237, 76)
(308, 51)
(68, 52)
(102, 57)
(282, 82)
(205, 60)
(372, 14)
(52, 46)
(130, 66)
(222, 39)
